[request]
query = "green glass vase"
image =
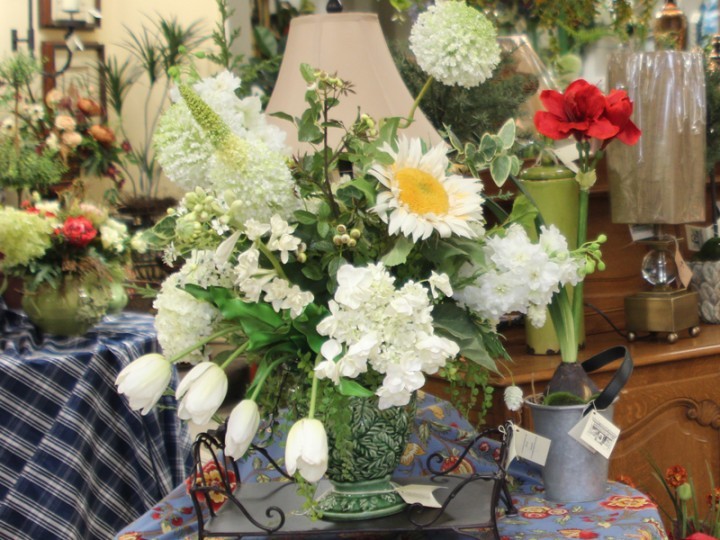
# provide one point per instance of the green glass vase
(70, 309)
(556, 194)
(360, 468)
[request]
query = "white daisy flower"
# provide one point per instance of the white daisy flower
(421, 198)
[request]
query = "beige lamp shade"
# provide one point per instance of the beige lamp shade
(353, 45)
(661, 179)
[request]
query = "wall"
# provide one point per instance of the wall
(118, 16)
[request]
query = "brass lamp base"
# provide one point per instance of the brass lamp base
(662, 311)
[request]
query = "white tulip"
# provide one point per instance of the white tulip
(201, 392)
(306, 449)
(144, 380)
(242, 427)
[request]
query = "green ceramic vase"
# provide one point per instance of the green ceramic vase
(556, 194)
(71, 309)
(118, 298)
(360, 475)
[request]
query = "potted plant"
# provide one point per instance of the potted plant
(27, 162)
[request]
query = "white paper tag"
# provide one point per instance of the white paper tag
(568, 154)
(685, 273)
(528, 445)
(596, 433)
(417, 493)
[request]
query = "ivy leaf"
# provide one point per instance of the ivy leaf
(507, 134)
(399, 252)
(500, 169)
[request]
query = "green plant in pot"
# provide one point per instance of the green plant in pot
(27, 162)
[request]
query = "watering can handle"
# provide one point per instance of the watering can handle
(611, 391)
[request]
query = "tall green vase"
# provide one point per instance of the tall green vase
(556, 194)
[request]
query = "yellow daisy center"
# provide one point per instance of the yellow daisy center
(422, 192)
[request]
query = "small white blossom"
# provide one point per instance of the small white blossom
(255, 230)
(513, 397)
(439, 282)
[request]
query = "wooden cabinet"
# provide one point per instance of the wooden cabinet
(669, 410)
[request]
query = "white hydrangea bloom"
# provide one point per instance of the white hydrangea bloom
(113, 234)
(374, 325)
(455, 43)
(521, 276)
(182, 320)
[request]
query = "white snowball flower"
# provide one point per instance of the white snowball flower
(455, 43)
(201, 392)
(144, 380)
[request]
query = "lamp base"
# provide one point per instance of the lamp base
(662, 311)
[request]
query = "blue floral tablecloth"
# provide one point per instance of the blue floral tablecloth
(623, 514)
(75, 461)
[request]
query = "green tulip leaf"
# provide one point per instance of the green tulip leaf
(348, 387)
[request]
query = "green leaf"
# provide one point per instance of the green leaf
(507, 134)
(307, 323)
(488, 147)
(323, 228)
(366, 187)
(399, 252)
(348, 387)
(514, 165)
(283, 116)
(305, 217)
(455, 323)
(308, 73)
(500, 169)
(265, 41)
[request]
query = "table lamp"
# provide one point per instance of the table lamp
(661, 180)
(353, 45)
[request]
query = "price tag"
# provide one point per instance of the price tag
(641, 232)
(527, 445)
(596, 433)
(422, 494)
(685, 273)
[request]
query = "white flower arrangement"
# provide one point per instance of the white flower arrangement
(359, 288)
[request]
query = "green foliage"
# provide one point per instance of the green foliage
(712, 127)
(157, 49)
(23, 168)
(469, 112)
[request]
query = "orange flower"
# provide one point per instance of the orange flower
(714, 501)
(89, 107)
(676, 476)
(102, 134)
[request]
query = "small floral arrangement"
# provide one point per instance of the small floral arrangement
(690, 520)
(43, 241)
(73, 125)
(333, 285)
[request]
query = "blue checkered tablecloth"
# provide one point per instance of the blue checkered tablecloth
(75, 461)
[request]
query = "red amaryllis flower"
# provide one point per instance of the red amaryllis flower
(618, 110)
(676, 476)
(578, 112)
(78, 231)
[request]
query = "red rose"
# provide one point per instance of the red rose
(579, 112)
(618, 110)
(700, 536)
(78, 231)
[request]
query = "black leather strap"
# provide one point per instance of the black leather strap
(612, 390)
